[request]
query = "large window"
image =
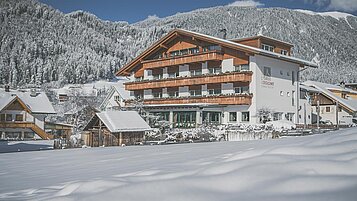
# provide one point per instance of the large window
(284, 52)
(216, 70)
(196, 72)
(8, 117)
(277, 116)
(184, 119)
(243, 67)
(245, 116)
(241, 90)
(268, 47)
(212, 117)
(173, 94)
(157, 95)
(233, 116)
(2, 117)
(214, 91)
(157, 76)
(19, 117)
(196, 92)
(173, 75)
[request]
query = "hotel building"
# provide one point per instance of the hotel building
(190, 78)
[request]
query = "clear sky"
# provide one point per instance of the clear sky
(136, 10)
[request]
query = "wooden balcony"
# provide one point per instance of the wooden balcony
(188, 81)
(241, 99)
(28, 125)
(184, 59)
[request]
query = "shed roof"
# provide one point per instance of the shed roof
(121, 121)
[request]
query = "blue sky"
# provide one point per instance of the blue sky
(136, 10)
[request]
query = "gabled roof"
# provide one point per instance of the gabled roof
(215, 40)
(119, 88)
(325, 88)
(36, 104)
(6, 101)
(121, 121)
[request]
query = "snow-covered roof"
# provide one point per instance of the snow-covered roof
(121, 121)
(119, 87)
(37, 104)
(325, 89)
(260, 51)
(308, 88)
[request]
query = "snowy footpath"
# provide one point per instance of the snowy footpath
(320, 167)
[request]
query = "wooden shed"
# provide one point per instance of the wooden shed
(115, 128)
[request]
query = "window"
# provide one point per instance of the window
(157, 95)
(267, 71)
(281, 72)
(8, 117)
(173, 94)
(328, 109)
(19, 117)
(2, 117)
(243, 67)
(289, 116)
(232, 116)
(196, 92)
(241, 90)
(211, 117)
(293, 98)
(281, 93)
(214, 91)
(173, 75)
(277, 116)
(245, 116)
(284, 52)
(194, 50)
(214, 70)
(268, 47)
(157, 77)
(117, 98)
(184, 52)
(211, 48)
(288, 94)
(184, 119)
(196, 72)
(175, 53)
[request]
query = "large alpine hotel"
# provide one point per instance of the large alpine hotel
(190, 78)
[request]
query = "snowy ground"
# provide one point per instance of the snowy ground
(17, 146)
(319, 167)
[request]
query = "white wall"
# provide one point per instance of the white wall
(266, 91)
(184, 70)
(227, 65)
(344, 117)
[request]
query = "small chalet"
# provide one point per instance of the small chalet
(116, 97)
(115, 128)
(23, 113)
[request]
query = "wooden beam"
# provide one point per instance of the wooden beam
(163, 46)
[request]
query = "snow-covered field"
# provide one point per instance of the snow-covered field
(319, 167)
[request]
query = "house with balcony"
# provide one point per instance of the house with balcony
(23, 114)
(190, 78)
(333, 104)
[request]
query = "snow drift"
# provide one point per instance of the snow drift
(319, 167)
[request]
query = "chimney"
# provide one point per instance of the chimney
(7, 88)
(224, 31)
(33, 93)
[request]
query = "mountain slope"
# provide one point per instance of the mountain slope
(40, 44)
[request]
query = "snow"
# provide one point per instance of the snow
(37, 104)
(117, 121)
(335, 14)
(318, 167)
(17, 146)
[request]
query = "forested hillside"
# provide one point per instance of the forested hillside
(40, 44)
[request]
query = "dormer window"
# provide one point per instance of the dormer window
(268, 47)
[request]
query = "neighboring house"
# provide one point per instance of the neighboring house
(115, 128)
(190, 78)
(115, 100)
(305, 111)
(65, 93)
(333, 103)
(23, 113)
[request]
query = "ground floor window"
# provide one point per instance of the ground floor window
(245, 116)
(289, 116)
(184, 119)
(212, 117)
(277, 116)
(233, 116)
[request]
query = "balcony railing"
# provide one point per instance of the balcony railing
(222, 99)
(188, 81)
(184, 59)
